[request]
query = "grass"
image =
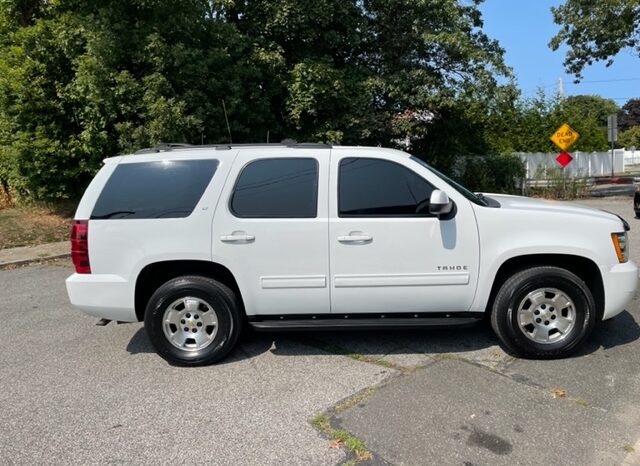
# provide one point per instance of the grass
(26, 226)
(343, 438)
(334, 349)
(340, 438)
(354, 400)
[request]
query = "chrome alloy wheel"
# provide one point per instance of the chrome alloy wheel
(546, 315)
(190, 324)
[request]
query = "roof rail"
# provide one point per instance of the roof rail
(165, 147)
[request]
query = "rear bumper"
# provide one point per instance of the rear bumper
(105, 296)
(620, 283)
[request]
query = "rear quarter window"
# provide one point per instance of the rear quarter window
(163, 189)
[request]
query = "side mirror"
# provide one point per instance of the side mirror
(439, 203)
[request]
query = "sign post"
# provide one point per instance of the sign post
(612, 135)
(564, 137)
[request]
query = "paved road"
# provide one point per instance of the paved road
(71, 392)
(478, 405)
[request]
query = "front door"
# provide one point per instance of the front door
(388, 254)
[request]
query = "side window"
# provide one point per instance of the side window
(164, 189)
(277, 188)
(380, 188)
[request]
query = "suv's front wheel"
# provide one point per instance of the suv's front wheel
(193, 320)
(543, 312)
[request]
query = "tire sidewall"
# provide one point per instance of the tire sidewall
(584, 308)
(180, 288)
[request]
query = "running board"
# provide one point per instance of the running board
(364, 321)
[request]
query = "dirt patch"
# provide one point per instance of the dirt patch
(24, 226)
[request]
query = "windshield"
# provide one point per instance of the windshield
(457, 186)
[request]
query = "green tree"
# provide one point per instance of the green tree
(629, 114)
(83, 80)
(435, 75)
(587, 114)
(375, 72)
(596, 30)
(630, 137)
(530, 123)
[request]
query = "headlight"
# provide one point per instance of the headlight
(621, 246)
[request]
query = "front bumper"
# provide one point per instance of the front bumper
(620, 283)
(105, 296)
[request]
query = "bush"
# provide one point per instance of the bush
(551, 184)
(490, 173)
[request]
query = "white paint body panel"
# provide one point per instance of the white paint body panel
(397, 270)
(525, 226)
(298, 266)
(120, 248)
(285, 269)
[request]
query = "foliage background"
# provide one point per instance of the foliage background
(84, 80)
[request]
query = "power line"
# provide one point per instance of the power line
(606, 81)
(594, 81)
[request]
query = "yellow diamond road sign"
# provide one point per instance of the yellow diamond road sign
(564, 136)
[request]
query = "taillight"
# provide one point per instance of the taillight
(80, 246)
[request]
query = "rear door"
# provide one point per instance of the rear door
(271, 230)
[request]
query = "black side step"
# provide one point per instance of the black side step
(363, 322)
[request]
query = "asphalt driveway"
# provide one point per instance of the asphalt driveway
(72, 392)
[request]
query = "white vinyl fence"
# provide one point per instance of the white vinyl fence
(632, 157)
(584, 164)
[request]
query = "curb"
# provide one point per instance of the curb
(34, 260)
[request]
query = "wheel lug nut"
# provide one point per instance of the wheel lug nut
(186, 329)
(538, 320)
(553, 317)
(194, 330)
(551, 309)
(188, 315)
(546, 322)
(543, 307)
(199, 324)
(182, 321)
(196, 316)
(536, 312)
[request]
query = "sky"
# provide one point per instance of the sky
(524, 29)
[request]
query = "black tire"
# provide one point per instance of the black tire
(513, 293)
(220, 299)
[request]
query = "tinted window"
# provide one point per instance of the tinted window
(277, 188)
(379, 188)
(166, 189)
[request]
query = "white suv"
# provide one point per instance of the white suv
(201, 241)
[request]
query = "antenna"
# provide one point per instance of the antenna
(227, 120)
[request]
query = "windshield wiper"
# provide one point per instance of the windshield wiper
(124, 213)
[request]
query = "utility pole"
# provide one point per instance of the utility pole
(560, 88)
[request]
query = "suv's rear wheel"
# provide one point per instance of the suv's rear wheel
(193, 320)
(543, 312)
